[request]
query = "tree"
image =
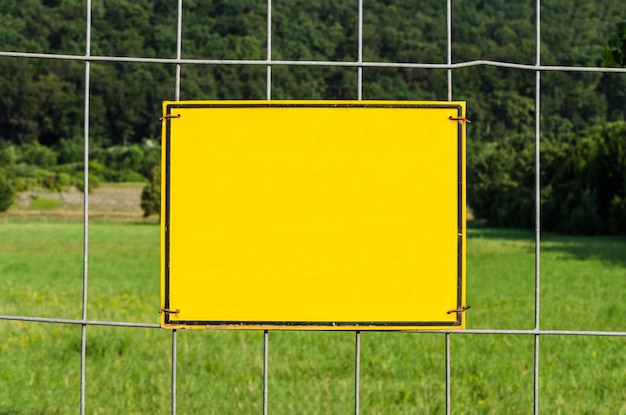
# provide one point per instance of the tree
(151, 194)
(614, 53)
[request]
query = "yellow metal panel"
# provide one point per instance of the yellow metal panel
(313, 215)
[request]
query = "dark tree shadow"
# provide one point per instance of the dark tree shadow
(610, 249)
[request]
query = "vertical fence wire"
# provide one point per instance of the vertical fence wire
(448, 398)
(268, 92)
(359, 69)
(449, 80)
(537, 167)
(173, 391)
(357, 372)
(266, 345)
(537, 207)
(449, 45)
(83, 333)
(179, 49)
(359, 94)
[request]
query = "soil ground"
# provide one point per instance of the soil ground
(109, 201)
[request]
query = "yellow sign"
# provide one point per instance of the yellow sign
(314, 215)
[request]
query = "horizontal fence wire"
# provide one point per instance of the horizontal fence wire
(349, 64)
(359, 65)
(515, 332)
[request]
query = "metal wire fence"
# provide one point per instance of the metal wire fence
(359, 65)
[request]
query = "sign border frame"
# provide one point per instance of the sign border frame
(167, 319)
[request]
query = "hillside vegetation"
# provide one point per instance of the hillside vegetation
(582, 114)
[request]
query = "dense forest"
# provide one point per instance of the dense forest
(583, 127)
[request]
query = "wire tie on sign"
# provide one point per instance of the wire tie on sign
(459, 310)
(459, 119)
(168, 311)
(169, 117)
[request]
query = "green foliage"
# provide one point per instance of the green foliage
(34, 165)
(500, 181)
(93, 181)
(69, 151)
(588, 188)
(151, 194)
(614, 52)
(127, 163)
(57, 181)
(41, 102)
(583, 182)
(7, 156)
(7, 193)
(38, 155)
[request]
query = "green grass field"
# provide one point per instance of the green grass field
(583, 287)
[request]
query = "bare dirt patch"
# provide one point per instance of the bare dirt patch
(109, 200)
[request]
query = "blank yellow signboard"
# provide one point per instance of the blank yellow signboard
(315, 215)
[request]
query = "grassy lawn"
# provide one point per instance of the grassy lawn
(583, 287)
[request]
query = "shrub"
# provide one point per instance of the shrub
(70, 151)
(132, 176)
(7, 193)
(7, 156)
(57, 181)
(93, 183)
(127, 163)
(38, 155)
(151, 194)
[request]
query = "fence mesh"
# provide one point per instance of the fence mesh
(452, 345)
